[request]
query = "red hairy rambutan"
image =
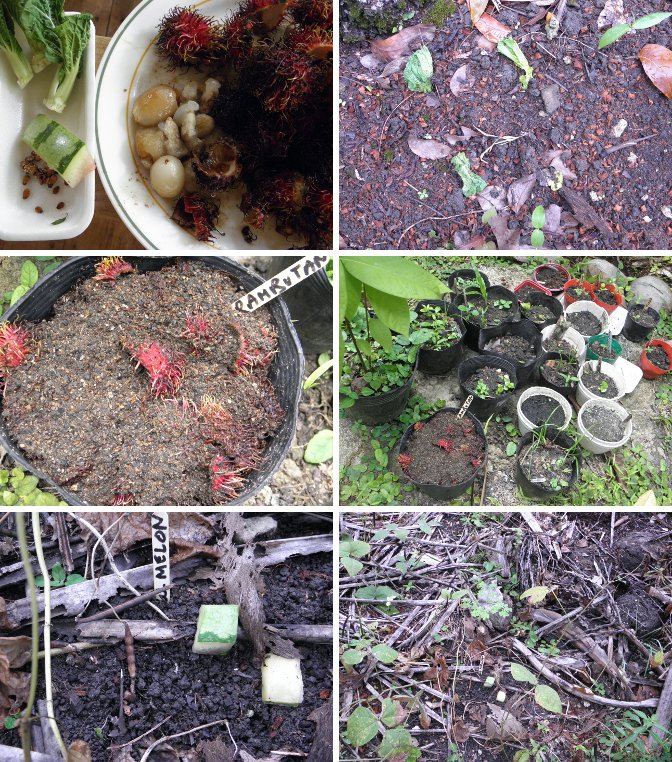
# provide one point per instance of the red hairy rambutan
(199, 331)
(250, 358)
(110, 268)
(265, 14)
(404, 462)
(196, 213)
(290, 78)
(164, 366)
(321, 201)
(16, 344)
(188, 38)
(314, 42)
(227, 480)
(444, 444)
(313, 12)
(124, 499)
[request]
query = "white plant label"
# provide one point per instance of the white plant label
(160, 551)
(288, 278)
(465, 407)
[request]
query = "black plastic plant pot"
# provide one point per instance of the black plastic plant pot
(447, 492)
(381, 408)
(465, 274)
(285, 374)
(438, 362)
(310, 304)
(543, 300)
(633, 330)
(538, 490)
(484, 408)
(566, 390)
(524, 328)
(474, 328)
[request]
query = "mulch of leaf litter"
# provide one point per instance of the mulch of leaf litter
(456, 656)
(390, 198)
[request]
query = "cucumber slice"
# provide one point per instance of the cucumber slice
(63, 152)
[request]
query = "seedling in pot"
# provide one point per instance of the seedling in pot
(482, 390)
(440, 328)
(503, 304)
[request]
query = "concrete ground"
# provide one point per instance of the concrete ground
(501, 487)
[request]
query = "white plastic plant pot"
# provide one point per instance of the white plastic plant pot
(594, 443)
(525, 424)
(217, 629)
(571, 335)
(600, 313)
(583, 394)
(281, 681)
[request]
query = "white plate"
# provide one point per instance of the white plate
(18, 219)
(129, 67)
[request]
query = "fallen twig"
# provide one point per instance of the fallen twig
(152, 746)
(629, 144)
(660, 595)
(663, 713)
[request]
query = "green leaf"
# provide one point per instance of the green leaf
(651, 19)
(613, 34)
(511, 448)
(391, 310)
(60, 220)
(18, 292)
(539, 217)
(4, 476)
(58, 575)
(51, 266)
(381, 457)
(522, 674)
(509, 47)
(419, 70)
(548, 698)
(39, 580)
(362, 726)
(421, 336)
(322, 368)
(74, 579)
(9, 498)
(352, 565)
(471, 183)
(393, 713)
(11, 722)
(397, 276)
(29, 274)
(375, 593)
(384, 653)
(396, 743)
(537, 238)
(26, 486)
(381, 333)
(488, 215)
(352, 656)
(354, 548)
(320, 448)
(364, 347)
(349, 293)
(536, 594)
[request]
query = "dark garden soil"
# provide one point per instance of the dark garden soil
(555, 371)
(562, 346)
(443, 451)
(538, 314)
(544, 461)
(391, 199)
(514, 347)
(643, 317)
(81, 411)
(584, 322)
(602, 350)
(579, 294)
(493, 315)
(492, 377)
(605, 296)
(541, 409)
(594, 379)
(551, 278)
(603, 424)
(658, 356)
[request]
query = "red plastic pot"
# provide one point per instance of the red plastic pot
(532, 284)
(576, 282)
(650, 370)
(552, 266)
(614, 291)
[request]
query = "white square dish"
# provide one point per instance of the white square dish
(18, 219)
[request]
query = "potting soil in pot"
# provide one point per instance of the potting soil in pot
(149, 389)
(602, 350)
(541, 409)
(643, 317)
(606, 296)
(538, 313)
(658, 356)
(515, 347)
(493, 378)
(551, 278)
(494, 315)
(560, 372)
(579, 294)
(559, 345)
(585, 323)
(545, 462)
(604, 424)
(443, 450)
(599, 384)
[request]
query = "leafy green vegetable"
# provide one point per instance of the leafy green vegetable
(471, 183)
(9, 44)
(39, 19)
(509, 47)
(73, 35)
(419, 70)
(643, 22)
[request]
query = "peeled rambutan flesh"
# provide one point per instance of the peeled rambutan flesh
(188, 38)
(15, 344)
(196, 213)
(110, 268)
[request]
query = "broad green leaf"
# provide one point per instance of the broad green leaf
(352, 656)
(398, 742)
(538, 217)
(9, 498)
(18, 292)
(364, 347)
(381, 333)
(511, 449)
(522, 674)
(521, 756)
(509, 47)
(394, 275)
(651, 19)
(376, 593)
(419, 70)
(29, 274)
(4, 476)
(354, 548)
(471, 183)
(393, 713)
(391, 310)
(58, 574)
(548, 698)
(51, 266)
(26, 486)
(613, 34)
(349, 293)
(39, 580)
(10, 722)
(322, 368)
(421, 336)
(384, 653)
(74, 579)
(320, 448)
(536, 594)
(352, 565)
(362, 726)
(488, 215)
(537, 238)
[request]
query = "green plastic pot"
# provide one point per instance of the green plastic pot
(603, 339)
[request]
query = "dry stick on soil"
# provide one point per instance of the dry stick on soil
(64, 543)
(152, 746)
(659, 595)
(579, 692)
(37, 539)
(114, 610)
(146, 733)
(663, 713)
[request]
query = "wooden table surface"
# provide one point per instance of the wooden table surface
(106, 230)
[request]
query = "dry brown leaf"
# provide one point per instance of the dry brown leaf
(492, 29)
(14, 653)
(657, 63)
(461, 732)
(370, 61)
(394, 66)
(493, 196)
(428, 149)
(79, 751)
(17, 650)
(477, 9)
(506, 239)
(501, 725)
(553, 217)
(463, 80)
(399, 44)
(520, 191)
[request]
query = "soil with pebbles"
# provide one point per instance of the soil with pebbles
(658, 356)
(559, 345)
(579, 294)
(603, 350)
(584, 322)
(643, 317)
(538, 314)
(551, 278)
(81, 411)
(543, 462)
(514, 347)
(555, 370)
